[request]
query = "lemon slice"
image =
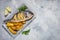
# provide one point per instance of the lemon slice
(7, 10)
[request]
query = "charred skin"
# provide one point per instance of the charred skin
(21, 16)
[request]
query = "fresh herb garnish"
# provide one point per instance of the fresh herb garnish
(22, 8)
(26, 32)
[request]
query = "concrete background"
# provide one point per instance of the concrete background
(46, 26)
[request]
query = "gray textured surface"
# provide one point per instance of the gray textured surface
(46, 26)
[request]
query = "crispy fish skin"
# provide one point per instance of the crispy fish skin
(22, 15)
(15, 17)
(18, 16)
(24, 22)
